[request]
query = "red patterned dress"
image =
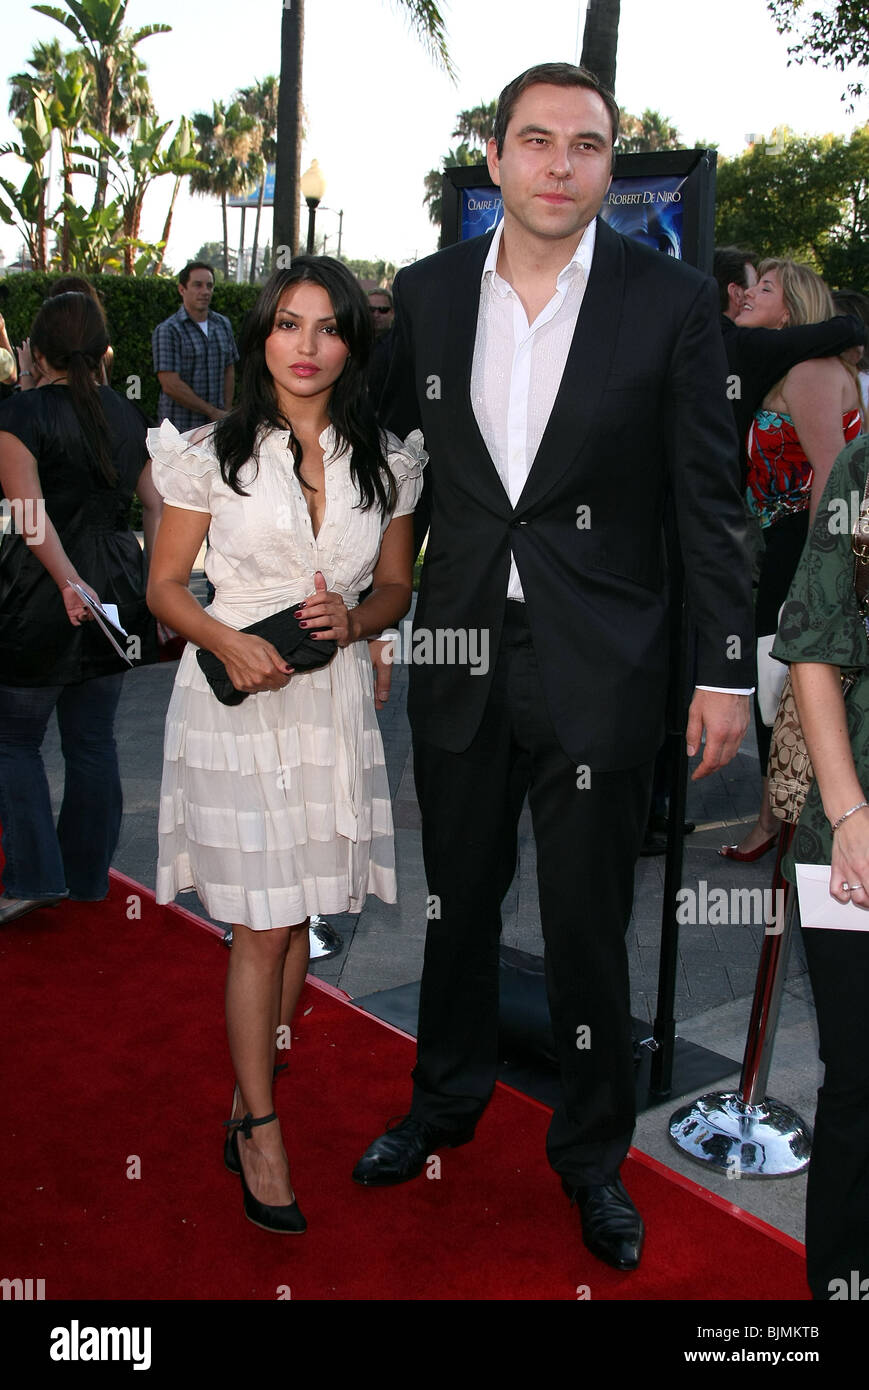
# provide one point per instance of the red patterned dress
(779, 474)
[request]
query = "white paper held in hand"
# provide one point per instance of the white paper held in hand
(104, 614)
(818, 909)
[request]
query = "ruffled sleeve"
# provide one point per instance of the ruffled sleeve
(406, 462)
(183, 472)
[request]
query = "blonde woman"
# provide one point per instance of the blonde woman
(796, 436)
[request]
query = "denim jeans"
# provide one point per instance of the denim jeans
(42, 862)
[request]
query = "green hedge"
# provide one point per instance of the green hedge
(133, 308)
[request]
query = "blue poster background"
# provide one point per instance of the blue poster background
(646, 207)
(649, 209)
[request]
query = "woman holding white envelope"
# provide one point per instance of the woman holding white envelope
(72, 453)
(821, 634)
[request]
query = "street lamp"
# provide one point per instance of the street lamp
(313, 186)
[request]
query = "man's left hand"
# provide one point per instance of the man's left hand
(724, 719)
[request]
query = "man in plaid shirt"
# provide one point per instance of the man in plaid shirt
(194, 355)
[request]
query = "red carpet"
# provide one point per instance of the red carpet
(115, 1050)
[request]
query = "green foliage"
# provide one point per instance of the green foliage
(475, 128)
(212, 253)
(133, 308)
(98, 91)
(650, 131)
(372, 270)
(807, 199)
(427, 22)
(835, 35)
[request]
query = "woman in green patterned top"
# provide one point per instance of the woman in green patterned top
(820, 634)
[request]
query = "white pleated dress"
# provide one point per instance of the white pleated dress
(278, 807)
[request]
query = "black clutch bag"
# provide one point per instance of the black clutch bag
(295, 644)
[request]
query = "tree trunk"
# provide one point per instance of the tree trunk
(289, 133)
(225, 238)
(128, 226)
(259, 211)
(167, 227)
(600, 40)
(105, 90)
(67, 199)
(239, 268)
(41, 232)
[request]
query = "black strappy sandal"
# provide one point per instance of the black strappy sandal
(229, 1160)
(285, 1220)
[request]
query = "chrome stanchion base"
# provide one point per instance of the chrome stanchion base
(324, 939)
(746, 1141)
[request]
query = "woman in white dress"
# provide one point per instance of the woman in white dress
(278, 807)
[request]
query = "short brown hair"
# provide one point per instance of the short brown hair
(195, 265)
(554, 75)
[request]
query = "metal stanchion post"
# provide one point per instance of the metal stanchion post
(743, 1132)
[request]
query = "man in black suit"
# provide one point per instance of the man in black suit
(565, 379)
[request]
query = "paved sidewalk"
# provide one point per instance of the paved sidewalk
(384, 944)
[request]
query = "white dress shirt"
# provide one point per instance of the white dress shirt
(517, 370)
(518, 366)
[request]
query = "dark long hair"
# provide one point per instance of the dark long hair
(70, 333)
(237, 437)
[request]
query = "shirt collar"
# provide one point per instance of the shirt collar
(183, 314)
(580, 260)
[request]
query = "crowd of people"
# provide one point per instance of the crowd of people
(527, 364)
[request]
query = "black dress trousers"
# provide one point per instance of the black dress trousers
(588, 827)
(837, 1195)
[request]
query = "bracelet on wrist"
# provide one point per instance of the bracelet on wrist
(25, 373)
(845, 814)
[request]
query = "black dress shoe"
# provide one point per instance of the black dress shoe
(401, 1153)
(660, 825)
(612, 1228)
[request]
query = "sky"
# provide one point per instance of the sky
(380, 114)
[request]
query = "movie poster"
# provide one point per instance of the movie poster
(480, 209)
(646, 207)
(649, 209)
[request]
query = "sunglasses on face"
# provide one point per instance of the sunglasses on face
(380, 308)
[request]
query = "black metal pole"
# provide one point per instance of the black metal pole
(312, 215)
(682, 655)
(285, 236)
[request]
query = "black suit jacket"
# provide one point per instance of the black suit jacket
(641, 407)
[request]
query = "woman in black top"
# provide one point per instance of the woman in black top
(71, 456)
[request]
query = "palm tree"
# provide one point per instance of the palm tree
(27, 207)
(46, 59)
(650, 131)
(98, 26)
(228, 149)
(477, 126)
(182, 149)
(600, 40)
(427, 22)
(461, 157)
(132, 171)
(261, 102)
